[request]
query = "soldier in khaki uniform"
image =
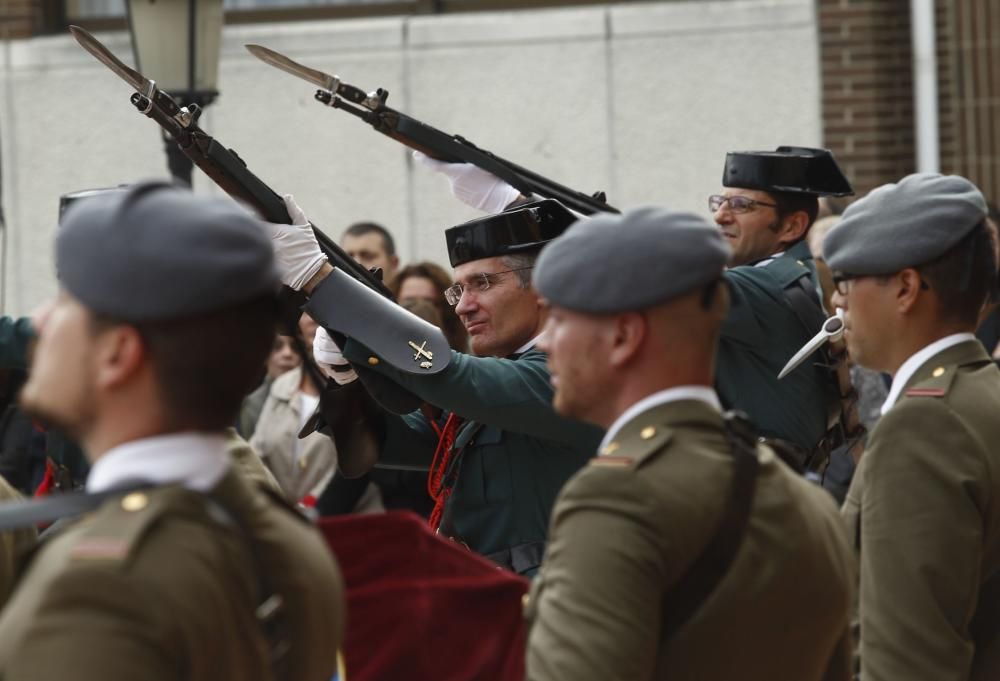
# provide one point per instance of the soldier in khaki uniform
(633, 350)
(186, 569)
(914, 266)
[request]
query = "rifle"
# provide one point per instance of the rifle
(223, 165)
(372, 109)
(231, 174)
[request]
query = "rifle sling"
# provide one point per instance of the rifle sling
(702, 577)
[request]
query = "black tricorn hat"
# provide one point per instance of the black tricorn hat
(66, 200)
(525, 228)
(798, 170)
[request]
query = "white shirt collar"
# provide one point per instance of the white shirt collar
(769, 259)
(195, 460)
(917, 360)
(684, 392)
(530, 344)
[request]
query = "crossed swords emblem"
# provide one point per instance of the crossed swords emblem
(422, 351)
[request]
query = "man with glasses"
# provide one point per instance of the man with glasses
(497, 451)
(914, 265)
(769, 203)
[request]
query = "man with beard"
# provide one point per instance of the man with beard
(497, 452)
(915, 264)
(685, 550)
(165, 314)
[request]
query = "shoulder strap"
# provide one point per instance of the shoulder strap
(684, 599)
(29, 512)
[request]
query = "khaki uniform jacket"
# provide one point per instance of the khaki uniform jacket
(627, 527)
(14, 546)
(167, 584)
(924, 511)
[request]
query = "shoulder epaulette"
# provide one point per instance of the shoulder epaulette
(936, 386)
(639, 444)
(113, 531)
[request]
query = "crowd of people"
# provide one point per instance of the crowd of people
(592, 403)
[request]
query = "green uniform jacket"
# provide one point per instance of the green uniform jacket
(516, 451)
(924, 510)
(163, 584)
(759, 336)
(15, 334)
(628, 525)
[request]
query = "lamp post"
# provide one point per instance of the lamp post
(176, 43)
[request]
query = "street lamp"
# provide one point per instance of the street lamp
(176, 43)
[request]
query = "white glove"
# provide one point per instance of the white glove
(330, 359)
(472, 185)
(295, 248)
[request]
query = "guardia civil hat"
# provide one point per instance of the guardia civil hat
(798, 170)
(156, 252)
(904, 224)
(616, 263)
(525, 228)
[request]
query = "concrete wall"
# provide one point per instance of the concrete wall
(640, 100)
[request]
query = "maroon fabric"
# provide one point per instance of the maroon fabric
(422, 607)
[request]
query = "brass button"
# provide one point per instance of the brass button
(525, 600)
(647, 432)
(938, 373)
(373, 360)
(136, 501)
(303, 463)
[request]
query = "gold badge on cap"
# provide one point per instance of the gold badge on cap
(422, 352)
(647, 432)
(938, 373)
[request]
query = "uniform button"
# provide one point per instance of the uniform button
(525, 600)
(938, 373)
(136, 501)
(373, 360)
(801, 264)
(647, 432)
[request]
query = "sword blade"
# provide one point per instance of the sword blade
(809, 348)
(104, 55)
(280, 61)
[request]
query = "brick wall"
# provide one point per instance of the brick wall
(969, 77)
(18, 18)
(867, 88)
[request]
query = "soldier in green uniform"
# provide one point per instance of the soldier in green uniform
(501, 452)
(765, 213)
(914, 265)
(184, 569)
(685, 550)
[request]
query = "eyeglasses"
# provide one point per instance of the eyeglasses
(841, 281)
(737, 204)
(478, 283)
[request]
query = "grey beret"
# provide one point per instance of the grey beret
(159, 252)
(904, 224)
(614, 263)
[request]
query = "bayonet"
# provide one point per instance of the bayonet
(831, 332)
(145, 87)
